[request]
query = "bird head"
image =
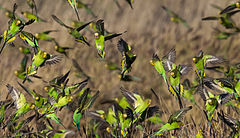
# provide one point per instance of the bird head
(37, 98)
(173, 74)
(44, 55)
(46, 88)
(7, 13)
(22, 36)
(152, 62)
(102, 116)
(97, 35)
(37, 35)
(16, 72)
(91, 25)
(56, 47)
(195, 60)
(238, 5)
(18, 22)
(20, 49)
(180, 124)
(149, 102)
(69, 31)
(24, 14)
(69, 98)
(108, 130)
(32, 106)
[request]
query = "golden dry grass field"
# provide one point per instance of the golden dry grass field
(149, 30)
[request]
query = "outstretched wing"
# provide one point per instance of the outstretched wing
(178, 115)
(60, 22)
(54, 59)
(19, 99)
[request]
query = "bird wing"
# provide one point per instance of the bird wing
(54, 59)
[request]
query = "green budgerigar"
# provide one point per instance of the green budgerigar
(32, 16)
(231, 7)
(100, 38)
(164, 64)
(234, 124)
(202, 60)
(176, 18)
(174, 121)
(60, 49)
(45, 35)
(40, 59)
(75, 32)
(15, 26)
(128, 57)
(212, 101)
(73, 4)
(30, 40)
(84, 103)
(20, 102)
(224, 19)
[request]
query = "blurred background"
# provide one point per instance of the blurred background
(149, 30)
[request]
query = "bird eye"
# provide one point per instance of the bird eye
(149, 102)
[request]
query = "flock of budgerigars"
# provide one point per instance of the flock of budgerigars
(129, 116)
